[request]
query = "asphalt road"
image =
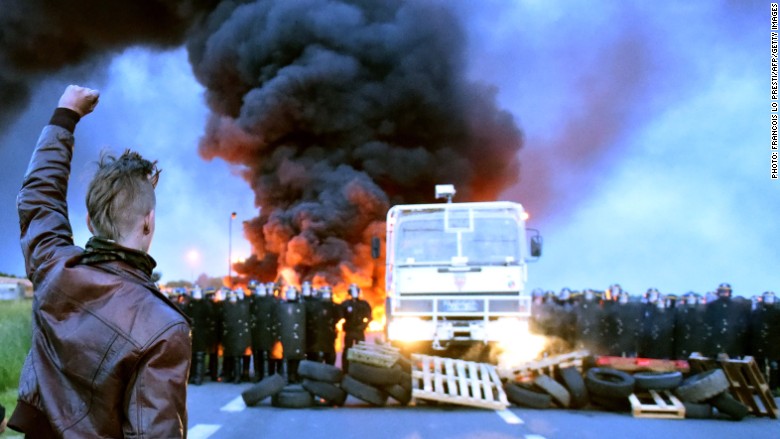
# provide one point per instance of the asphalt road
(216, 411)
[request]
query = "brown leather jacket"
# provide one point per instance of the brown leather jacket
(110, 354)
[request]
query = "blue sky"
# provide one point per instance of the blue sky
(646, 159)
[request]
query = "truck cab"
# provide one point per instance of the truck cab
(456, 273)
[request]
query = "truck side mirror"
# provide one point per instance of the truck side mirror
(536, 243)
(375, 247)
(536, 246)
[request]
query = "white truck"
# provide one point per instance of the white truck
(456, 272)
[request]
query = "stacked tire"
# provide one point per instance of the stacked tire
(320, 381)
(705, 390)
(374, 384)
(609, 388)
(323, 381)
(568, 391)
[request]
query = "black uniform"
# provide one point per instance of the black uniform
(727, 322)
(622, 324)
(765, 341)
(235, 338)
(312, 306)
(656, 335)
(291, 316)
(323, 341)
(589, 316)
(690, 331)
(263, 329)
(357, 315)
(199, 311)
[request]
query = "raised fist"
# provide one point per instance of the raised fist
(82, 100)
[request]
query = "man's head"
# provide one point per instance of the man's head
(121, 200)
(724, 291)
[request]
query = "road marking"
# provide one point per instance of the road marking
(202, 431)
(533, 436)
(509, 417)
(235, 405)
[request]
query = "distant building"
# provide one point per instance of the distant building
(12, 288)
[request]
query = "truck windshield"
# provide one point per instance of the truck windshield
(485, 236)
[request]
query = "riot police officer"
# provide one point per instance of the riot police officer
(262, 323)
(291, 315)
(199, 311)
(357, 314)
(656, 328)
(622, 323)
(213, 333)
(727, 323)
(324, 332)
(690, 331)
(235, 336)
(765, 337)
(589, 316)
(311, 304)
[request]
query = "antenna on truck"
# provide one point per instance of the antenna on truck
(445, 191)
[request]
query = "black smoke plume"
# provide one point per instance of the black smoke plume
(40, 37)
(335, 110)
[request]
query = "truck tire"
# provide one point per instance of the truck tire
(399, 393)
(726, 404)
(524, 397)
(702, 386)
(657, 380)
(292, 397)
(375, 375)
(363, 391)
(405, 364)
(406, 381)
(572, 379)
(262, 390)
(331, 393)
(320, 371)
(559, 393)
(695, 410)
(609, 383)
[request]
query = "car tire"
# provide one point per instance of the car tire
(658, 380)
(609, 383)
(292, 397)
(330, 392)
(559, 393)
(525, 397)
(695, 410)
(363, 391)
(265, 388)
(726, 404)
(572, 379)
(702, 386)
(320, 371)
(399, 393)
(375, 375)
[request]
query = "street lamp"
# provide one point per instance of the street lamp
(230, 249)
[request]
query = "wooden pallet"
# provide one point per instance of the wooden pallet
(746, 382)
(655, 404)
(457, 382)
(546, 366)
(380, 355)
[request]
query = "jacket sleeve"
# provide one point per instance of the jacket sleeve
(42, 205)
(157, 396)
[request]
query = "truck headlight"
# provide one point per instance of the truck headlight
(409, 329)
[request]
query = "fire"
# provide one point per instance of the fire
(520, 348)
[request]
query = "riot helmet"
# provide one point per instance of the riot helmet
(564, 295)
(306, 289)
(652, 296)
(260, 290)
(589, 295)
(240, 293)
(768, 297)
(291, 294)
(690, 298)
(724, 290)
(197, 293)
(623, 297)
(354, 291)
(326, 293)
